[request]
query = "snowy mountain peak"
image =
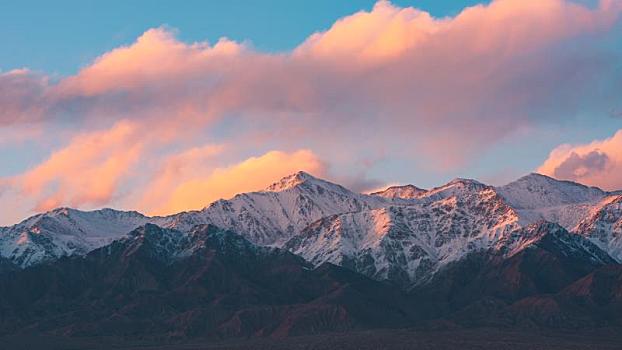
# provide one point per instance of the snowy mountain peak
(537, 178)
(294, 180)
(403, 233)
(407, 242)
(539, 191)
(403, 192)
(64, 231)
(273, 216)
(456, 187)
(461, 183)
(464, 182)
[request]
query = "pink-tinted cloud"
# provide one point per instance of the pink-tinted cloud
(21, 96)
(598, 163)
(87, 172)
(156, 56)
(390, 80)
(398, 68)
(459, 83)
(504, 27)
(174, 169)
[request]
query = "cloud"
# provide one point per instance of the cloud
(384, 33)
(505, 27)
(155, 58)
(197, 187)
(92, 168)
(21, 96)
(598, 163)
(482, 74)
(387, 81)
(485, 72)
(86, 172)
(173, 170)
(576, 166)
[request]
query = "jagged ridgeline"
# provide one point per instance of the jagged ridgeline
(404, 233)
(307, 255)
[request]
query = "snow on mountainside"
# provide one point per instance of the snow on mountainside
(539, 191)
(603, 226)
(407, 244)
(267, 217)
(64, 231)
(402, 192)
(403, 233)
(555, 238)
(539, 197)
(272, 216)
(456, 188)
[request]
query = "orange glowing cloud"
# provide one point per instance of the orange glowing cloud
(598, 163)
(175, 169)
(199, 187)
(481, 73)
(156, 56)
(504, 27)
(85, 172)
(397, 68)
(385, 32)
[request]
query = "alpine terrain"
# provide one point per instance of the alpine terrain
(306, 256)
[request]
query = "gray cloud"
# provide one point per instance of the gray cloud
(577, 166)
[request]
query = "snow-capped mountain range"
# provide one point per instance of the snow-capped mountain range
(404, 233)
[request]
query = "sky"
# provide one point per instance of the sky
(163, 106)
(71, 34)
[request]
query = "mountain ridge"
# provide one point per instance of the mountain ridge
(225, 287)
(307, 257)
(421, 225)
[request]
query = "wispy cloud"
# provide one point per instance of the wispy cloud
(85, 172)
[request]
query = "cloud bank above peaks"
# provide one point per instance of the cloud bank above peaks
(395, 77)
(395, 66)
